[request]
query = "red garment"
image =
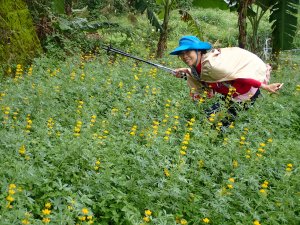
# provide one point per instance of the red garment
(241, 85)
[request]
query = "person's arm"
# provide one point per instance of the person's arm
(181, 71)
(272, 87)
(257, 84)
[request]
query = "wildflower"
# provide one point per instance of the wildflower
(11, 191)
(97, 162)
(46, 220)
(201, 163)
(183, 222)
(25, 221)
(205, 220)
(183, 147)
(10, 198)
(46, 211)
(22, 150)
(265, 184)
(183, 152)
(12, 186)
(288, 169)
(262, 144)
(85, 211)
(231, 180)
(82, 218)
(235, 164)
(256, 222)
(146, 219)
(231, 126)
(89, 217)
(148, 212)
(230, 186)
(185, 142)
(270, 140)
(263, 191)
(48, 205)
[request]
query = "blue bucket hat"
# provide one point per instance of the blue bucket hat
(190, 43)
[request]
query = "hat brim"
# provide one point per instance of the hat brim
(198, 46)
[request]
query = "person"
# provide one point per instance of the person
(235, 73)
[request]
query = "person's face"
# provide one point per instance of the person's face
(190, 57)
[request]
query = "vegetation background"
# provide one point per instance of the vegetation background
(91, 138)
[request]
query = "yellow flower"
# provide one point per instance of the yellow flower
(22, 150)
(11, 191)
(205, 220)
(183, 222)
(97, 162)
(231, 180)
(235, 163)
(256, 222)
(230, 186)
(89, 217)
(288, 169)
(46, 211)
(262, 144)
(48, 205)
(290, 165)
(148, 212)
(46, 220)
(10, 198)
(270, 140)
(82, 218)
(166, 172)
(265, 184)
(25, 221)
(263, 191)
(85, 211)
(183, 147)
(146, 219)
(182, 152)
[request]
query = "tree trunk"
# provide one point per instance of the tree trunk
(163, 38)
(68, 7)
(242, 23)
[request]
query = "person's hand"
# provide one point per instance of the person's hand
(181, 71)
(273, 88)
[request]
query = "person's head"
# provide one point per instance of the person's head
(190, 50)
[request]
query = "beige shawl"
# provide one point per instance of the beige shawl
(227, 64)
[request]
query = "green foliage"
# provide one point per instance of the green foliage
(88, 136)
(284, 21)
(219, 4)
(18, 41)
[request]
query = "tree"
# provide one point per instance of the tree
(18, 40)
(283, 18)
(163, 8)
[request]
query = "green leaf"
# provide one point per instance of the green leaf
(220, 4)
(284, 19)
(153, 19)
(58, 6)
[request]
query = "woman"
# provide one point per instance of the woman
(232, 72)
